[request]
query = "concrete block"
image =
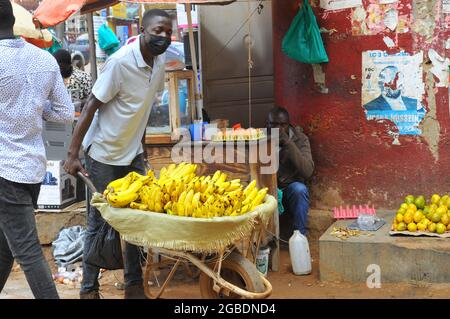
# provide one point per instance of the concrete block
(401, 258)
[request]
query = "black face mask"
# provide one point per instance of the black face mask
(157, 44)
(66, 71)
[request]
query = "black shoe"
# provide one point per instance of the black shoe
(135, 292)
(90, 295)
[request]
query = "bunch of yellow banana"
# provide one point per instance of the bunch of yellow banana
(124, 191)
(179, 191)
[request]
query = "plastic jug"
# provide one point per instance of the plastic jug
(299, 253)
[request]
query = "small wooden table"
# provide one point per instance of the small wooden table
(243, 160)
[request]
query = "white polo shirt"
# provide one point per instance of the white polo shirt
(128, 87)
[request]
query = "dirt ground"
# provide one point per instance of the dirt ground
(285, 285)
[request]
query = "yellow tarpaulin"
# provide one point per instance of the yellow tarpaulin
(182, 233)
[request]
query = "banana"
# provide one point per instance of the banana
(188, 203)
(222, 178)
(249, 199)
(121, 199)
(204, 184)
(228, 211)
(168, 206)
(139, 206)
(126, 183)
(180, 191)
(171, 168)
(224, 185)
(198, 185)
(259, 198)
(233, 187)
(196, 201)
(180, 204)
(249, 187)
(151, 173)
(166, 198)
(115, 185)
(216, 176)
(244, 209)
(159, 208)
(163, 173)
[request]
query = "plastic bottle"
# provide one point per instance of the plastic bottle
(299, 253)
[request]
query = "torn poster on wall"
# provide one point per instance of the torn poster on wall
(377, 18)
(392, 89)
(446, 6)
(339, 4)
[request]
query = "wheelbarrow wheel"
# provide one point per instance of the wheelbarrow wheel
(237, 270)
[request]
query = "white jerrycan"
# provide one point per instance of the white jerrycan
(299, 253)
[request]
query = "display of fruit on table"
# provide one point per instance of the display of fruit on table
(415, 214)
(239, 134)
(179, 191)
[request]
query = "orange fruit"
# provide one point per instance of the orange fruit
(445, 219)
(412, 227)
(412, 207)
(421, 227)
(436, 217)
(399, 218)
(404, 206)
(401, 226)
(420, 202)
(418, 216)
(435, 198)
(409, 199)
(408, 217)
(440, 228)
(432, 227)
(442, 210)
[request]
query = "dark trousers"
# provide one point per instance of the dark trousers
(296, 203)
(101, 175)
(19, 238)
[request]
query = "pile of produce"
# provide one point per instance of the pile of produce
(179, 191)
(239, 134)
(415, 214)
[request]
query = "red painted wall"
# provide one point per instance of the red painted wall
(356, 162)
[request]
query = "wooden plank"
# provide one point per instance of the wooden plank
(158, 139)
(174, 109)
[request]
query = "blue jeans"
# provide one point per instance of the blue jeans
(101, 174)
(296, 203)
(19, 238)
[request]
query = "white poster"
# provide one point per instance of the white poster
(182, 16)
(446, 6)
(98, 22)
(387, 1)
(392, 89)
(339, 4)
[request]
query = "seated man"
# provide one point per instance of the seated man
(296, 166)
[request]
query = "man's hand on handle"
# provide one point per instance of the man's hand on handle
(73, 165)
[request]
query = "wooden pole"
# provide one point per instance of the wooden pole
(198, 97)
(92, 55)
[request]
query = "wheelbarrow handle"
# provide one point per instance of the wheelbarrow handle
(88, 182)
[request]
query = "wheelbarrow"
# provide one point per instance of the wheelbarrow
(209, 245)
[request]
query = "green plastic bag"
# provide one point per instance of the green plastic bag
(107, 40)
(303, 41)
